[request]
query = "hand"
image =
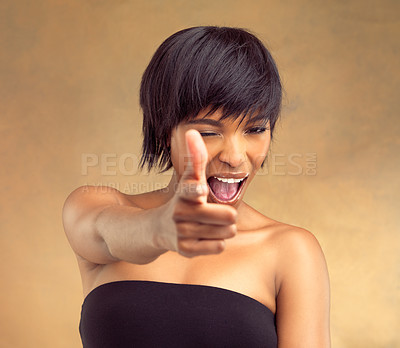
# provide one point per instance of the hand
(201, 227)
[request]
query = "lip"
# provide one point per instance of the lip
(236, 197)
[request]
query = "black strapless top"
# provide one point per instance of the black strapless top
(136, 313)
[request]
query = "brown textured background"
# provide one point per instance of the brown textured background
(69, 77)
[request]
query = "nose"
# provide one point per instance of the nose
(233, 152)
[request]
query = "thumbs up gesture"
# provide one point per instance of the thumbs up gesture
(193, 184)
(200, 228)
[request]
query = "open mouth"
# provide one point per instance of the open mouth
(225, 190)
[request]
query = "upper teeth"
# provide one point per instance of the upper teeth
(229, 180)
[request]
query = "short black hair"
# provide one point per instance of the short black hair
(220, 68)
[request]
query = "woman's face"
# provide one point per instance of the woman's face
(235, 153)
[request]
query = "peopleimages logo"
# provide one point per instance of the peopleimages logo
(112, 164)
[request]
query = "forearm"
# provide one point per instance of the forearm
(130, 234)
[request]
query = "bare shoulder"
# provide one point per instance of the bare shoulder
(296, 250)
(99, 194)
(287, 239)
(294, 240)
(301, 286)
(295, 247)
(80, 211)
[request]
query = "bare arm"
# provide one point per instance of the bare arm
(303, 298)
(102, 226)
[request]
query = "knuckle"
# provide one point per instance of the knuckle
(189, 255)
(233, 230)
(220, 247)
(179, 212)
(188, 188)
(184, 246)
(231, 216)
(184, 229)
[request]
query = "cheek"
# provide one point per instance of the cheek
(174, 157)
(260, 153)
(259, 161)
(174, 151)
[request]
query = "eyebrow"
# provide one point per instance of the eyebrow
(207, 121)
(215, 123)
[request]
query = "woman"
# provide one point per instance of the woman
(193, 264)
